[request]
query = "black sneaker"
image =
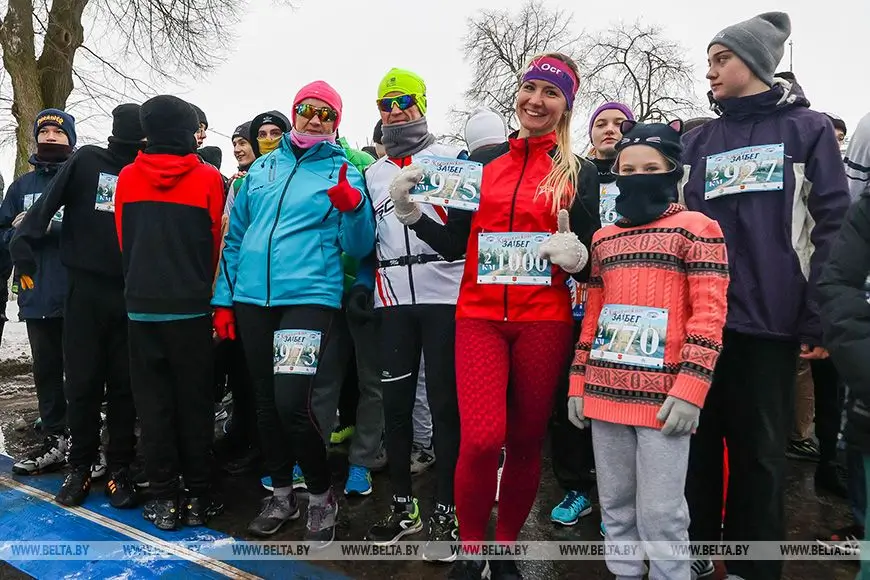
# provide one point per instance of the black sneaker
(76, 486)
(120, 489)
(48, 457)
(403, 520)
(802, 449)
(163, 513)
(504, 570)
(442, 536)
(320, 529)
(198, 511)
(467, 569)
(702, 569)
(831, 479)
(276, 511)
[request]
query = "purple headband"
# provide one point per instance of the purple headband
(624, 109)
(556, 72)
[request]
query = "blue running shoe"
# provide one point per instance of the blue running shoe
(359, 481)
(266, 482)
(573, 507)
(298, 478)
(603, 530)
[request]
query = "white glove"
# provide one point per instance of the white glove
(680, 417)
(564, 248)
(575, 412)
(407, 211)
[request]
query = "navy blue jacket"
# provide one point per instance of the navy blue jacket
(778, 238)
(46, 299)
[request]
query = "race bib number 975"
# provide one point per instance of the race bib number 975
(512, 258)
(746, 170)
(449, 182)
(296, 352)
(633, 335)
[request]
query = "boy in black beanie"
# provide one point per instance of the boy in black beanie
(95, 333)
(168, 209)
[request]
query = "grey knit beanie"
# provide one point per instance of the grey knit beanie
(759, 42)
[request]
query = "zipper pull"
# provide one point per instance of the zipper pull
(272, 170)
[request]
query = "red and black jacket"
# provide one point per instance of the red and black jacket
(509, 202)
(168, 214)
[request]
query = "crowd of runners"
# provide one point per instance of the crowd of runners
(682, 307)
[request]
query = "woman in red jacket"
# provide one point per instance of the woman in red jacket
(513, 315)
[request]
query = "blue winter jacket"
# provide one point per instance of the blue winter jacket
(46, 298)
(285, 238)
(778, 239)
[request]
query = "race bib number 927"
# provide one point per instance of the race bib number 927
(633, 335)
(746, 170)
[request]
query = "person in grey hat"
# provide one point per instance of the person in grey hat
(769, 171)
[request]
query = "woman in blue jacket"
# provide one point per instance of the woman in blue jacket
(299, 208)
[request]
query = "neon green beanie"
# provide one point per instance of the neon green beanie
(405, 82)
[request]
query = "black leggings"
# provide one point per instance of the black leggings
(405, 332)
(289, 428)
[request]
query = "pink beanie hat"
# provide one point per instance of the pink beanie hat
(319, 90)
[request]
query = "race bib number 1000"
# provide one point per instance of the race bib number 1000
(449, 182)
(633, 335)
(512, 258)
(296, 352)
(750, 169)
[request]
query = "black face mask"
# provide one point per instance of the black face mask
(53, 152)
(644, 197)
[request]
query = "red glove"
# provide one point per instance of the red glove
(224, 321)
(344, 196)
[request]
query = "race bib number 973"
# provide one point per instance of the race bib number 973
(296, 352)
(746, 170)
(512, 258)
(633, 335)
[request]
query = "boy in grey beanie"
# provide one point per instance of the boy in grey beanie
(759, 42)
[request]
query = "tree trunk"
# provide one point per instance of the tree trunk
(48, 81)
(19, 59)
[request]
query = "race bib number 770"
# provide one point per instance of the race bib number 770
(633, 335)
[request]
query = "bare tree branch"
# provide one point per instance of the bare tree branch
(638, 65)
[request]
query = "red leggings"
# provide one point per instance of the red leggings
(506, 375)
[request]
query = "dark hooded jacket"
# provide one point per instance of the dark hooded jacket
(779, 206)
(46, 298)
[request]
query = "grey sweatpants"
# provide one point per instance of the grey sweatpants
(422, 417)
(366, 442)
(641, 481)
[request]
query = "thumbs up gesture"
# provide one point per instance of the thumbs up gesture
(343, 195)
(564, 248)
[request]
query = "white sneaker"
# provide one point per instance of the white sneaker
(50, 456)
(99, 468)
(702, 569)
(422, 458)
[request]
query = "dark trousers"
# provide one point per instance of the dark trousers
(348, 400)
(97, 365)
(171, 364)
(232, 368)
(405, 332)
(750, 404)
(291, 407)
(46, 346)
(571, 448)
(828, 393)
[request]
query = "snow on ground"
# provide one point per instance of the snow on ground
(15, 345)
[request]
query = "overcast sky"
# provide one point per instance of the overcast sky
(351, 45)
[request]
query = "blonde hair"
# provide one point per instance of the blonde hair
(559, 183)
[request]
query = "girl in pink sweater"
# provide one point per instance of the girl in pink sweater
(648, 348)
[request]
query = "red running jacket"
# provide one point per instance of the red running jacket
(509, 202)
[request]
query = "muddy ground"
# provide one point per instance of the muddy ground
(808, 514)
